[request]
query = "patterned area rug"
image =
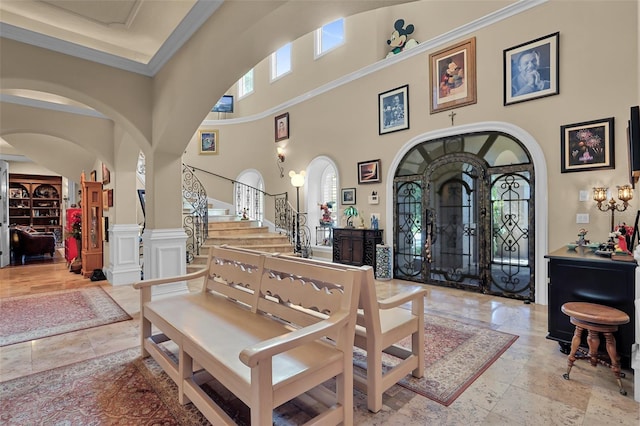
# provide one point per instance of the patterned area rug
(117, 389)
(41, 315)
(456, 354)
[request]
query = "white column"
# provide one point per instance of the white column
(165, 255)
(124, 254)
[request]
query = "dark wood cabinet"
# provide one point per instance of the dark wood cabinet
(356, 246)
(582, 276)
(35, 201)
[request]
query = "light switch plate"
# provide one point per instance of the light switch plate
(584, 196)
(582, 218)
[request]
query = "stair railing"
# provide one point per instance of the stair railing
(249, 198)
(196, 221)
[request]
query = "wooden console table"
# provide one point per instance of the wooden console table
(582, 276)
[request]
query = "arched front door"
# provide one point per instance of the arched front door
(463, 215)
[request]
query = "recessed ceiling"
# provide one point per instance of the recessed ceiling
(136, 30)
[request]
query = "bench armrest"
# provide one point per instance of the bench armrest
(148, 283)
(402, 298)
(252, 355)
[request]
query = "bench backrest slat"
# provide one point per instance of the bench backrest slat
(303, 294)
(235, 274)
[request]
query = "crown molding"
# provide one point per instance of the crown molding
(420, 49)
(37, 103)
(198, 15)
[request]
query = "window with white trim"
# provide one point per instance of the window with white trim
(281, 62)
(329, 36)
(329, 184)
(245, 84)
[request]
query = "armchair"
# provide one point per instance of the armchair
(25, 241)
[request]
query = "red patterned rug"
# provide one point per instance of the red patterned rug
(117, 389)
(41, 315)
(456, 354)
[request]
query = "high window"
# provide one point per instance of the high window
(281, 62)
(329, 36)
(245, 84)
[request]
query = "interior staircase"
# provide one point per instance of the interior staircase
(230, 230)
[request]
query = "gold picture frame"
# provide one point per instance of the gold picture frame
(209, 142)
(453, 76)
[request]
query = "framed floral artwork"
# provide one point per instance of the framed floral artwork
(453, 76)
(209, 142)
(393, 110)
(587, 146)
(532, 69)
(369, 171)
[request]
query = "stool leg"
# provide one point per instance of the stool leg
(593, 340)
(575, 343)
(615, 363)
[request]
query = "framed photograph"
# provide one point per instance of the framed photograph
(94, 176)
(282, 127)
(532, 69)
(348, 196)
(209, 142)
(393, 110)
(105, 228)
(141, 197)
(106, 174)
(369, 171)
(587, 146)
(453, 76)
(105, 200)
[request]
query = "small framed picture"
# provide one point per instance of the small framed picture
(94, 176)
(15, 192)
(532, 69)
(369, 171)
(587, 146)
(348, 196)
(209, 142)
(393, 110)
(282, 127)
(106, 174)
(453, 76)
(105, 200)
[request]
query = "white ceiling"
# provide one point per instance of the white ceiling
(136, 35)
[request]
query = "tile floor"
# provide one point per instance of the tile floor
(523, 387)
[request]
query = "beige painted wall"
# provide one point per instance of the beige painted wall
(342, 124)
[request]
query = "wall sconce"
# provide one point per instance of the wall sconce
(625, 193)
(280, 160)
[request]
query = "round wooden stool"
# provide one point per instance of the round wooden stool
(595, 319)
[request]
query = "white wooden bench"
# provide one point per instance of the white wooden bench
(266, 328)
(380, 325)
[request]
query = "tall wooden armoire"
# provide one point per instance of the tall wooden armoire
(91, 227)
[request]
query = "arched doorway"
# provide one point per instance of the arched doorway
(463, 214)
(249, 193)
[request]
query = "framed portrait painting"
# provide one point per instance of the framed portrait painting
(209, 142)
(282, 127)
(587, 146)
(369, 171)
(393, 110)
(93, 176)
(453, 76)
(531, 70)
(348, 196)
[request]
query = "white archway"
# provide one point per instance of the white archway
(246, 196)
(540, 167)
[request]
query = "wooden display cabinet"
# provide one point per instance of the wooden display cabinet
(91, 227)
(35, 201)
